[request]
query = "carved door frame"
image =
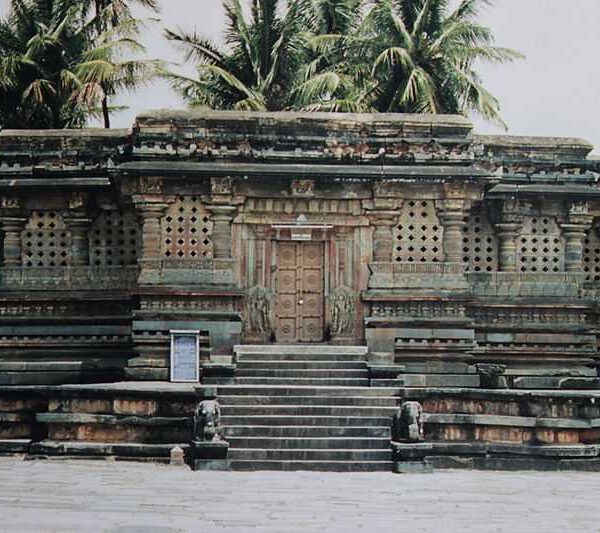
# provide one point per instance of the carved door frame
(300, 235)
(257, 263)
(299, 288)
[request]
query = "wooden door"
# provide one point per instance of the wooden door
(299, 304)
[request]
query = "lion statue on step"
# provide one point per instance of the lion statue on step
(408, 423)
(207, 421)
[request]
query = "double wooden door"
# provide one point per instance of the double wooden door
(299, 301)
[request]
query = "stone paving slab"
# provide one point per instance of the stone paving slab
(90, 496)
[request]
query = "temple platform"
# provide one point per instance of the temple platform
(314, 428)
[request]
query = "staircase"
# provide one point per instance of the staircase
(306, 407)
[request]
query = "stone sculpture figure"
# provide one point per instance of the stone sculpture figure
(491, 376)
(408, 423)
(343, 311)
(258, 311)
(207, 421)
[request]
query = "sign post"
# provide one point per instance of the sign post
(185, 356)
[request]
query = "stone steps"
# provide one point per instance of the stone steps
(306, 410)
(302, 373)
(311, 454)
(314, 466)
(306, 407)
(303, 432)
(374, 401)
(298, 351)
(310, 443)
(301, 365)
(303, 390)
(323, 382)
(305, 420)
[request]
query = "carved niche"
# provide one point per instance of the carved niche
(303, 188)
(258, 312)
(343, 311)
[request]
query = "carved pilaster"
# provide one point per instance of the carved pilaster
(452, 211)
(222, 217)
(507, 231)
(578, 221)
(79, 225)
(150, 209)
(507, 245)
(12, 226)
(383, 234)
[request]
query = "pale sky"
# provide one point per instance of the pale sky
(553, 91)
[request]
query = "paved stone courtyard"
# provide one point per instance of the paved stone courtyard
(91, 496)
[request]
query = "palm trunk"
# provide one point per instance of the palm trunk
(105, 112)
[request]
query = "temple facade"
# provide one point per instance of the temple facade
(407, 234)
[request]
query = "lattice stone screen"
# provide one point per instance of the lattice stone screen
(540, 246)
(115, 239)
(418, 235)
(186, 230)
(591, 255)
(45, 241)
(480, 245)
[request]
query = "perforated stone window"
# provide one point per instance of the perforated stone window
(591, 255)
(45, 241)
(418, 235)
(480, 245)
(114, 239)
(540, 246)
(187, 230)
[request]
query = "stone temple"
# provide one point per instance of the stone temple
(368, 292)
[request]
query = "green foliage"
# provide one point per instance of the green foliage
(60, 61)
(412, 56)
(423, 57)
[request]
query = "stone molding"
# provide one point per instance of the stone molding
(69, 278)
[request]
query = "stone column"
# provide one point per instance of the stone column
(78, 225)
(451, 213)
(151, 210)
(222, 217)
(507, 245)
(453, 220)
(507, 230)
(578, 221)
(383, 235)
(12, 226)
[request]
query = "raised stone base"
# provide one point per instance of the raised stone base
(208, 455)
(425, 457)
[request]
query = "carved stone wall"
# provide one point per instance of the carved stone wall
(45, 241)
(114, 239)
(418, 235)
(540, 245)
(480, 244)
(591, 255)
(186, 230)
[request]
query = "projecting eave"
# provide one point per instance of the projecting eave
(179, 169)
(537, 190)
(274, 124)
(524, 148)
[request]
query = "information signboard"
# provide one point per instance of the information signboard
(185, 356)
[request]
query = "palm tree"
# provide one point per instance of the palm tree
(39, 43)
(56, 70)
(423, 57)
(257, 70)
(109, 14)
(103, 73)
(333, 76)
